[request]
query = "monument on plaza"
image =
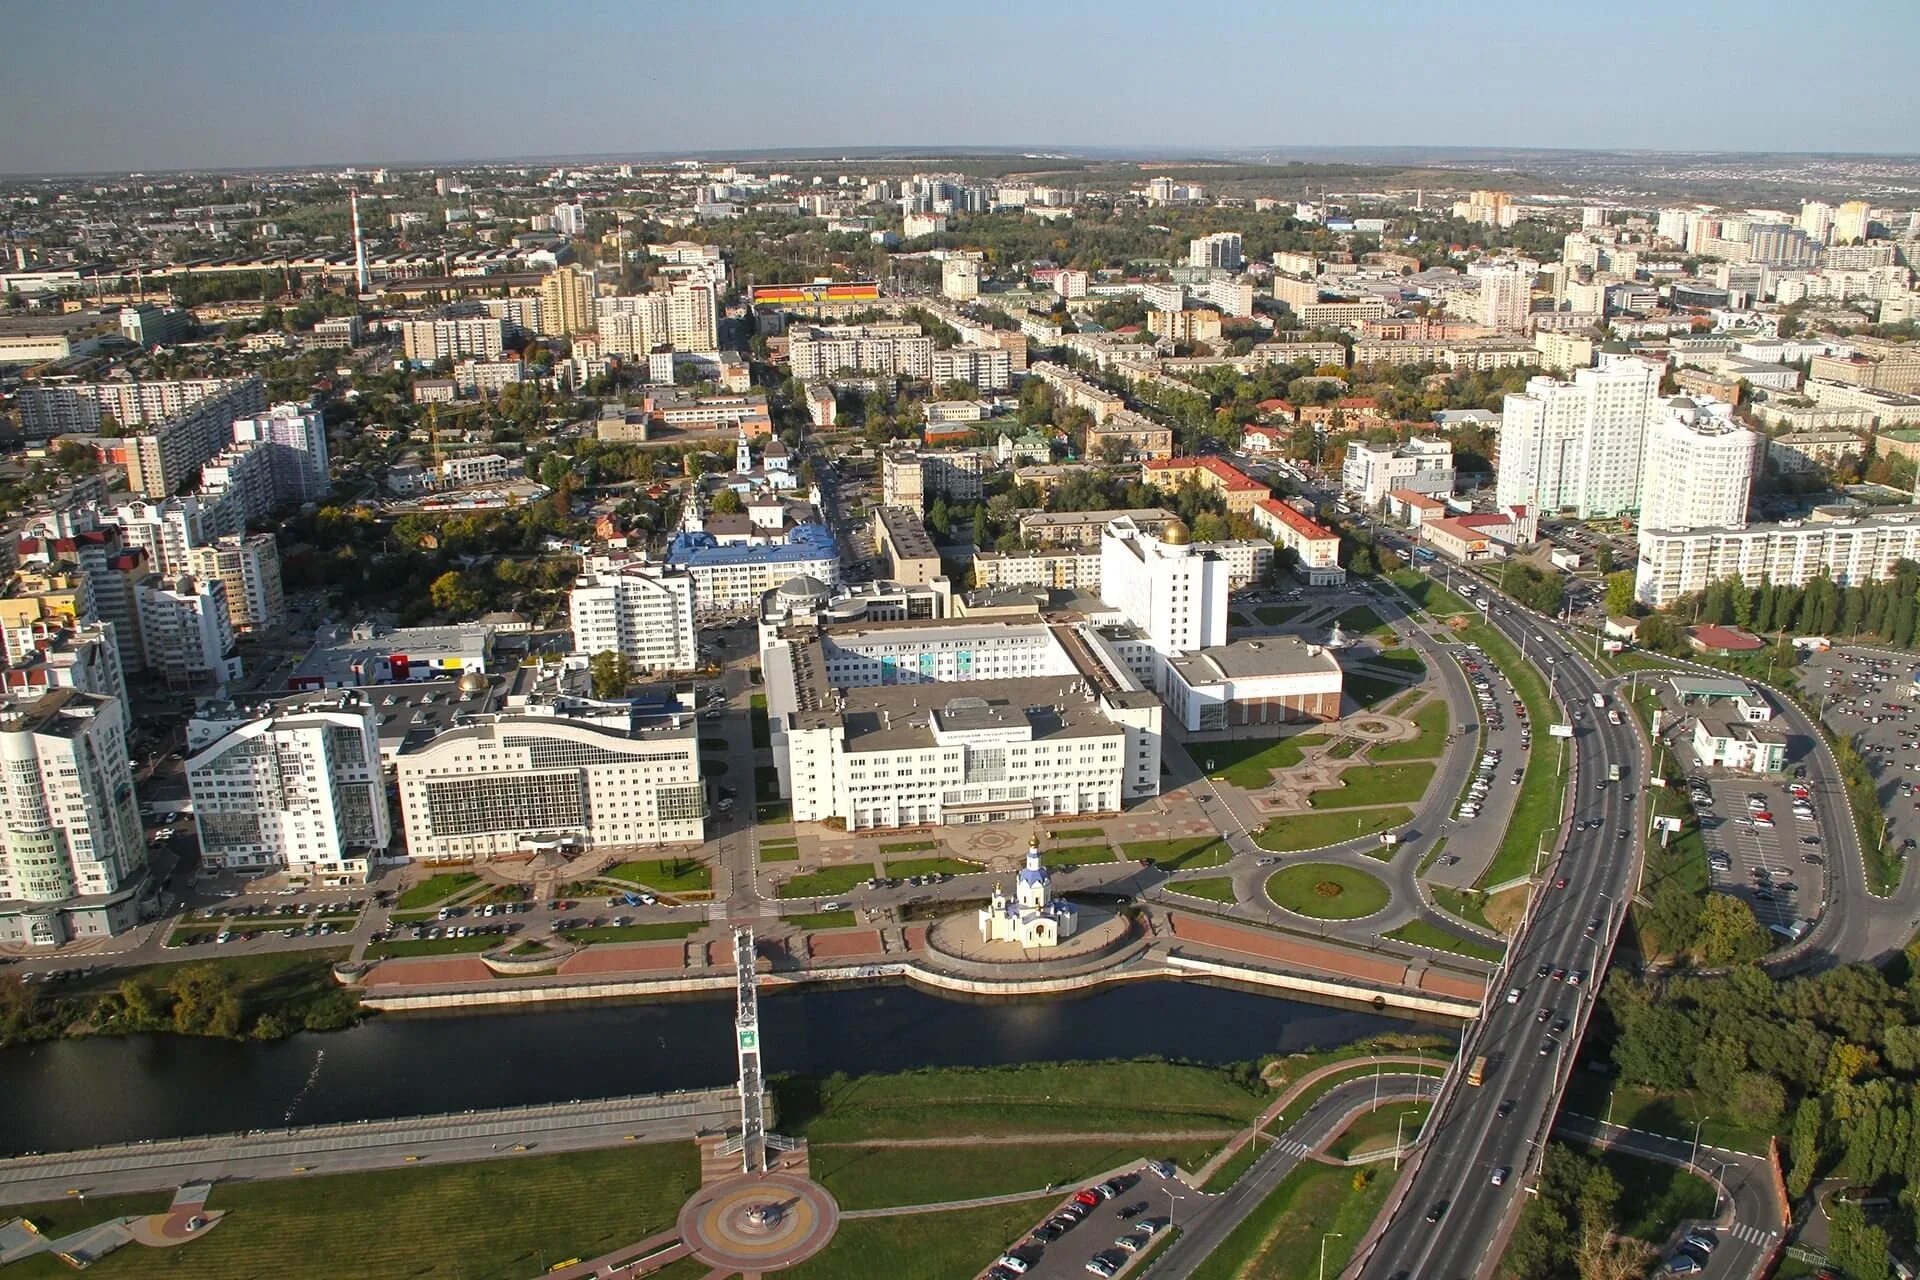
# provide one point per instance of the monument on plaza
(1033, 917)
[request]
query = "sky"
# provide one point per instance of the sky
(111, 85)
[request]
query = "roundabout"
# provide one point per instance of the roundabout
(758, 1222)
(1327, 891)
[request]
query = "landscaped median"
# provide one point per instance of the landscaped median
(1536, 810)
(1327, 891)
(1377, 785)
(827, 882)
(1296, 833)
(1212, 888)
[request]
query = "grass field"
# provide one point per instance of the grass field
(713, 744)
(1431, 722)
(766, 783)
(1215, 888)
(1077, 855)
(1344, 748)
(1327, 891)
(1660, 1111)
(664, 931)
(1384, 784)
(779, 853)
(710, 768)
(1470, 906)
(1402, 662)
(1077, 833)
(1249, 762)
(1284, 1235)
(940, 866)
(1375, 1130)
(400, 948)
(910, 846)
(776, 812)
(1278, 615)
(1237, 619)
(436, 889)
(1369, 691)
(666, 875)
(1430, 595)
(1420, 933)
(827, 881)
(934, 1246)
(1362, 620)
(877, 1177)
(1178, 855)
(495, 1220)
(1316, 830)
(1050, 1097)
(822, 920)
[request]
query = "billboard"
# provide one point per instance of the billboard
(1560, 731)
(819, 291)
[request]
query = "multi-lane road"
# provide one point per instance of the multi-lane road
(1502, 1124)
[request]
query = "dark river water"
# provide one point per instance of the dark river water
(78, 1093)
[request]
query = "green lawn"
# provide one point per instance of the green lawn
(713, 744)
(1661, 1111)
(1327, 891)
(1077, 833)
(664, 931)
(1404, 662)
(1237, 619)
(779, 853)
(436, 889)
(441, 946)
(940, 866)
(1316, 830)
(876, 1177)
(1217, 888)
(1368, 691)
(827, 881)
(1421, 933)
(1344, 748)
(1377, 1130)
(822, 920)
(910, 846)
(757, 721)
(666, 875)
(1278, 615)
(1431, 723)
(1469, 905)
(1430, 595)
(1285, 1234)
(1361, 620)
(1248, 763)
(1040, 1097)
(1384, 784)
(712, 768)
(770, 814)
(1399, 705)
(376, 1226)
(1180, 855)
(1077, 855)
(1536, 810)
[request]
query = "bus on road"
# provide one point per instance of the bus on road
(1477, 1073)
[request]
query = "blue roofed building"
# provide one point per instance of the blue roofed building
(730, 579)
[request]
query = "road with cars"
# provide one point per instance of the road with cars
(1483, 1146)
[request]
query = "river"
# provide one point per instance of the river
(77, 1093)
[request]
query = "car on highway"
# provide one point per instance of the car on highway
(1439, 1210)
(1499, 1175)
(1505, 1108)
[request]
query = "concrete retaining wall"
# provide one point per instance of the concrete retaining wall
(1329, 987)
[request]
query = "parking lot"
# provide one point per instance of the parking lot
(1761, 856)
(1111, 1234)
(1868, 696)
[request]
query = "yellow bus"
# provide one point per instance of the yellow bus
(1477, 1073)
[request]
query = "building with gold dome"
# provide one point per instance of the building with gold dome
(1033, 917)
(1173, 591)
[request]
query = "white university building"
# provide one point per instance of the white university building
(642, 611)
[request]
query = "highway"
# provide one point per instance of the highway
(1527, 1062)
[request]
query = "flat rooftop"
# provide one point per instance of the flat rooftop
(1254, 658)
(901, 717)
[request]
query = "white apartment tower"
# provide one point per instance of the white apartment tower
(186, 630)
(247, 567)
(1578, 445)
(641, 611)
(1221, 251)
(75, 854)
(1506, 295)
(1175, 592)
(296, 440)
(1700, 467)
(300, 789)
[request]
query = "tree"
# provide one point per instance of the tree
(610, 673)
(727, 503)
(1728, 931)
(1858, 1250)
(454, 593)
(940, 518)
(1620, 600)
(1603, 558)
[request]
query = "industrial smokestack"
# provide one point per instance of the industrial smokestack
(359, 245)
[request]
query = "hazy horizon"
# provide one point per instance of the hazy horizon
(108, 86)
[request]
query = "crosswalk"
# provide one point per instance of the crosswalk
(1294, 1147)
(1750, 1234)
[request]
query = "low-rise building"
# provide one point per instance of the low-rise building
(1371, 471)
(1315, 548)
(1240, 491)
(1266, 681)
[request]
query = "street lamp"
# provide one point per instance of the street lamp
(1397, 1122)
(1695, 1161)
(1331, 1235)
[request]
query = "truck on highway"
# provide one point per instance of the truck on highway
(1599, 700)
(1613, 773)
(1477, 1073)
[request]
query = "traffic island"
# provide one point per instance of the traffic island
(1327, 891)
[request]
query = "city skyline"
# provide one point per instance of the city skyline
(347, 84)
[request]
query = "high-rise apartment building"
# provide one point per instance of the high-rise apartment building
(960, 278)
(1816, 220)
(1578, 445)
(640, 611)
(1220, 250)
(452, 337)
(299, 789)
(1506, 295)
(186, 630)
(1175, 592)
(570, 219)
(164, 530)
(159, 461)
(296, 436)
(1700, 466)
(247, 567)
(75, 853)
(1850, 221)
(566, 301)
(52, 408)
